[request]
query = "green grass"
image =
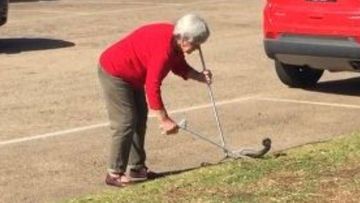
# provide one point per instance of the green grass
(326, 172)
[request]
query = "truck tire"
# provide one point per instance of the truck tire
(297, 76)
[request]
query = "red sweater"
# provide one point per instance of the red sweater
(143, 59)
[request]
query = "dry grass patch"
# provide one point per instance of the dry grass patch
(328, 172)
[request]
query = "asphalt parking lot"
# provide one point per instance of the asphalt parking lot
(53, 124)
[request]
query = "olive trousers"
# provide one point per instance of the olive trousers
(127, 110)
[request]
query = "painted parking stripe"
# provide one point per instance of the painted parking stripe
(100, 125)
(340, 105)
(148, 6)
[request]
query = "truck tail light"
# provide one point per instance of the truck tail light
(272, 35)
(357, 39)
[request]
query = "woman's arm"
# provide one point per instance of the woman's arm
(167, 125)
(204, 76)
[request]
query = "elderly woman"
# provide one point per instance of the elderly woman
(131, 72)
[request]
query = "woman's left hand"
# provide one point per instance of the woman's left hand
(207, 75)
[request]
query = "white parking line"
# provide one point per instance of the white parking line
(118, 2)
(182, 110)
(82, 14)
(148, 6)
(142, 2)
(351, 106)
(53, 134)
(90, 127)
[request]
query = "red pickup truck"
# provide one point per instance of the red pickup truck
(306, 37)
(3, 11)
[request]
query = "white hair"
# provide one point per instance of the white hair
(191, 28)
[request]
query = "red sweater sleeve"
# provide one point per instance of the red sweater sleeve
(180, 67)
(158, 68)
(156, 72)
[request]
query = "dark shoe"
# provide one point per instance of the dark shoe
(137, 175)
(117, 180)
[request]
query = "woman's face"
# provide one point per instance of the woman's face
(188, 47)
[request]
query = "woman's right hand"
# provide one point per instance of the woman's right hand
(168, 126)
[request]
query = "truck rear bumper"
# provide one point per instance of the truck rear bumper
(313, 46)
(331, 53)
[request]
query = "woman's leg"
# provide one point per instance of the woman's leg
(121, 107)
(137, 152)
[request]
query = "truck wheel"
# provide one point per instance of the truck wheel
(297, 76)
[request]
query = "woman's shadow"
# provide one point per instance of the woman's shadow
(18, 45)
(349, 86)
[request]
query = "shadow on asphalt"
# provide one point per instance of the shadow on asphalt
(155, 175)
(344, 87)
(18, 45)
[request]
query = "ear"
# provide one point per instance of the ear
(183, 42)
(179, 41)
